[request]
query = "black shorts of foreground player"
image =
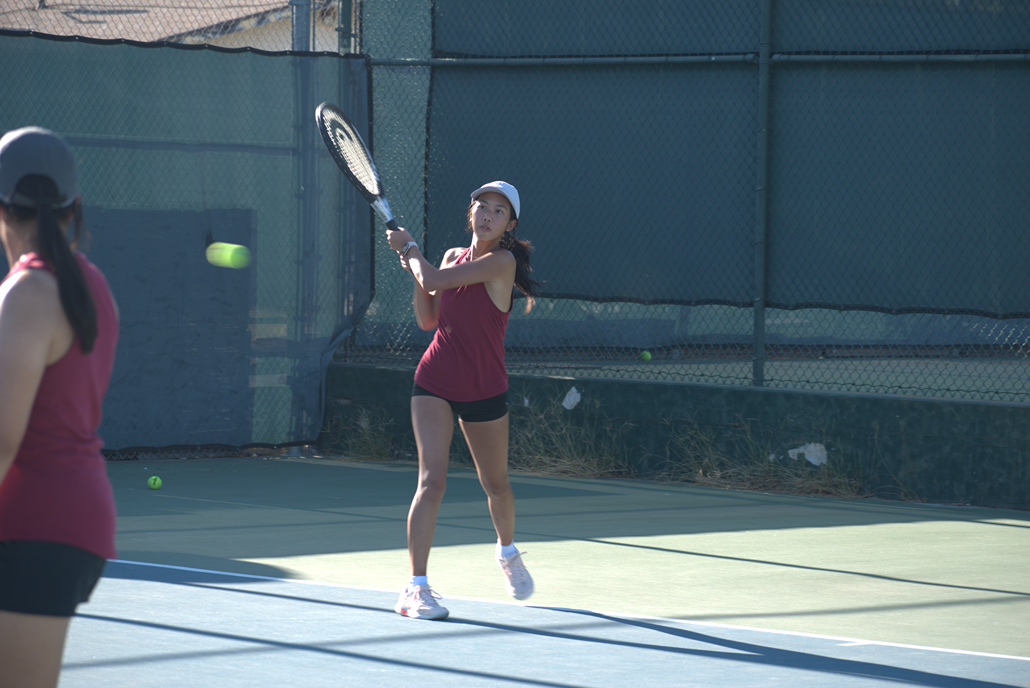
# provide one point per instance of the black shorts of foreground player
(467, 300)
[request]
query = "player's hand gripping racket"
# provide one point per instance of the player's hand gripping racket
(351, 155)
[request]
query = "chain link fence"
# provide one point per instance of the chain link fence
(847, 211)
(791, 194)
(180, 147)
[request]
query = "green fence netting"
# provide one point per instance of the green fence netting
(179, 147)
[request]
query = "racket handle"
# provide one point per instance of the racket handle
(391, 225)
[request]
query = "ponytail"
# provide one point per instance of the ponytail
(522, 249)
(54, 248)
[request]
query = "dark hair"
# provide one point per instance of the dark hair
(55, 249)
(522, 250)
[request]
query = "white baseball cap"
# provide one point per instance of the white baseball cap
(37, 151)
(503, 188)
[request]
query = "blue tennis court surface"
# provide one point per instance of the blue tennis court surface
(157, 625)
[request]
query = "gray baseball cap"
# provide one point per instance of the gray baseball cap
(34, 150)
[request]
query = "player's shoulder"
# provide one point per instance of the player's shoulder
(504, 255)
(31, 293)
(32, 283)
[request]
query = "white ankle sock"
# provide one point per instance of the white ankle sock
(420, 580)
(507, 551)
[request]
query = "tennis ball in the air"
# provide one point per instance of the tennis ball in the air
(225, 255)
(645, 356)
(154, 482)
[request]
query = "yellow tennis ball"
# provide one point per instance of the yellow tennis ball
(645, 356)
(225, 255)
(154, 482)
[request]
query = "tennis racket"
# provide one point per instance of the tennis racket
(351, 155)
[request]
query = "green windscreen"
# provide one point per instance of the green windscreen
(179, 147)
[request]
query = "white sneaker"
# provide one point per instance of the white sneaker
(420, 602)
(516, 577)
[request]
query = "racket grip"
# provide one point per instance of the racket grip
(391, 225)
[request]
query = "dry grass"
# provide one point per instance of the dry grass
(367, 436)
(551, 440)
(739, 460)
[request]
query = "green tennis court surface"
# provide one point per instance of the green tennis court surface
(674, 585)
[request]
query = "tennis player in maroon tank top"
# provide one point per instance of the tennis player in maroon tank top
(467, 301)
(58, 332)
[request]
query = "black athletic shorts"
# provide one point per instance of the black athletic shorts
(471, 411)
(46, 578)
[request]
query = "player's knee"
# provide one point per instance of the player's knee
(496, 487)
(432, 487)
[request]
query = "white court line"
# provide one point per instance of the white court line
(844, 642)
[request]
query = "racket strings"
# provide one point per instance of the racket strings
(352, 151)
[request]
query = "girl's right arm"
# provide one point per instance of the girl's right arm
(427, 303)
(427, 307)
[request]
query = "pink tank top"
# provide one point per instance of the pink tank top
(57, 489)
(465, 360)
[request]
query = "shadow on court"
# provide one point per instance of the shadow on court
(160, 626)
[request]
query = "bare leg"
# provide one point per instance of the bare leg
(488, 443)
(433, 422)
(31, 647)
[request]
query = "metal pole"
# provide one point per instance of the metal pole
(307, 230)
(558, 61)
(345, 27)
(761, 207)
(301, 16)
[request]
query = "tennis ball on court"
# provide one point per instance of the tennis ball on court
(224, 255)
(154, 482)
(645, 356)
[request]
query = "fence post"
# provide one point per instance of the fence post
(307, 191)
(301, 17)
(761, 208)
(345, 27)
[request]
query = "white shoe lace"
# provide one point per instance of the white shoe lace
(427, 597)
(514, 569)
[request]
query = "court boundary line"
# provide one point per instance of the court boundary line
(853, 642)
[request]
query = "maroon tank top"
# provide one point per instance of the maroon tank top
(57, 489)
(465, 360)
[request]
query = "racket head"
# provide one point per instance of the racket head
(349, 151)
